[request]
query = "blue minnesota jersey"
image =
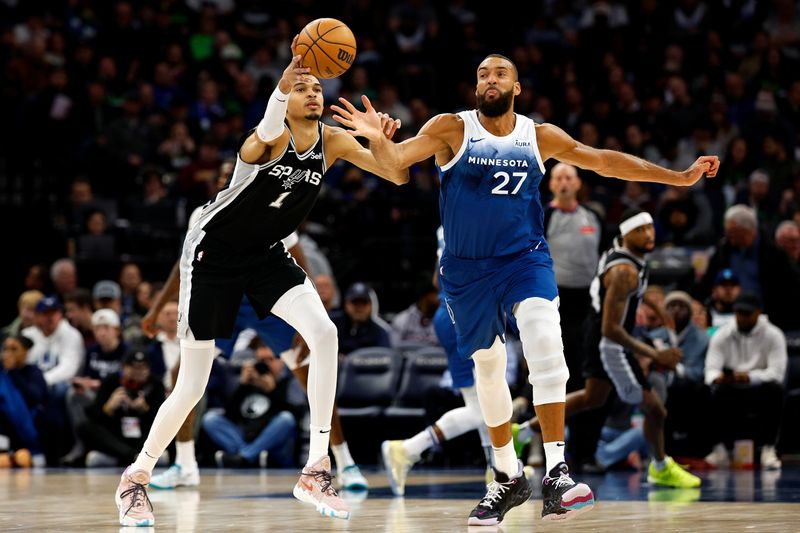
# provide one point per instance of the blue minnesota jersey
(489, 201)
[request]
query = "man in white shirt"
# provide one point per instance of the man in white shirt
(745, 366)
(57, 346)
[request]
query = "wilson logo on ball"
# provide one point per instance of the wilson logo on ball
(345, 56)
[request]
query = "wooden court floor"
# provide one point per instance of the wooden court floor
(259, 501)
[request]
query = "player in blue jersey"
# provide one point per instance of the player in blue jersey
(497, 263)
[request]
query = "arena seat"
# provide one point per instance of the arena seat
(368, 381)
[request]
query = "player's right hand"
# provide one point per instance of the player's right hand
(669, 357)
(295, 72)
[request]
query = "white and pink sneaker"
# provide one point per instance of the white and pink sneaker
(314, 487)
(134, 506)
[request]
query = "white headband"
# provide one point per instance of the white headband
(642, 219)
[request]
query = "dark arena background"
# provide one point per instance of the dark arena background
(119, 118)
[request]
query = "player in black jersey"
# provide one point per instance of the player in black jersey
(234, 249)
(616, 292)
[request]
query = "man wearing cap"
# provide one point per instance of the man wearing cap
(57, 346)
(102, 360)
(123, 412)
(720, 304)
(355, 325)
(745, 366)
(107, 294)
(616, 292)
(688, 397)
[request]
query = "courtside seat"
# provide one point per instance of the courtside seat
(368, 381)
(422, 372)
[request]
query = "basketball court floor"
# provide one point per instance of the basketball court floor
(435, 501)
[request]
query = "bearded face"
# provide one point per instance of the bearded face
(496, 103)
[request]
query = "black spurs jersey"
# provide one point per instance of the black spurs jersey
(262, 204)
(617, 255)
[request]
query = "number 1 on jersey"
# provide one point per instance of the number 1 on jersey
(279, 202)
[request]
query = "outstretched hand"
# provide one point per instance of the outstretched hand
(295, 72)
(365, 123)
(707, 164)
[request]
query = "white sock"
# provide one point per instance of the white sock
(525, 432)
(184, 456)
(420, 442)
(320, 437)
(660, 464)
(505, 459)
(341, 453)
(196, 360)
(553, 454)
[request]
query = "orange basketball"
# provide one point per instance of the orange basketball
(328, 47)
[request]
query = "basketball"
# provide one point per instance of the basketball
(328, 47)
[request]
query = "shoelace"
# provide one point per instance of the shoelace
(138, 497)
(563, 480)
(495, 492)
(324, 479)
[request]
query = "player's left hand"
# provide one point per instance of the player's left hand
(706, 164)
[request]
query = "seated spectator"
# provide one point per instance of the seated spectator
(747, 252)
(64, 275)
(328, 291)
(103, 359)
(25, 305)
(687, 397)
(415, 324)
(258, 417)
(23, 393)
(107, 294)
(57, 347)
(621, 439)
(130, 276)
(787, 237)
(119, 420)
(78, 310)
(746, 366)
(724, 293)
(691, 339)
(95, 242)
(757, 195)
(355, 325)
(166, 350)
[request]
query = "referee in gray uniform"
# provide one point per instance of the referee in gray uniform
(574, 234)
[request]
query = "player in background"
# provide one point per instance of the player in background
(234, 249)
(616, 292)
(497, 263)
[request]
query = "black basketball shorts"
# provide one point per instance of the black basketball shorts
(214, 280)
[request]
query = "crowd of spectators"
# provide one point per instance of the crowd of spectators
(121, 116)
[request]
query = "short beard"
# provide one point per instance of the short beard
(496, 107)
(313, 116)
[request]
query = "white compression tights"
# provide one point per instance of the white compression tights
(196, 360)
(302, 309)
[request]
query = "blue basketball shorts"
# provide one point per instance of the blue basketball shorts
(461, 368)
(480, 294)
